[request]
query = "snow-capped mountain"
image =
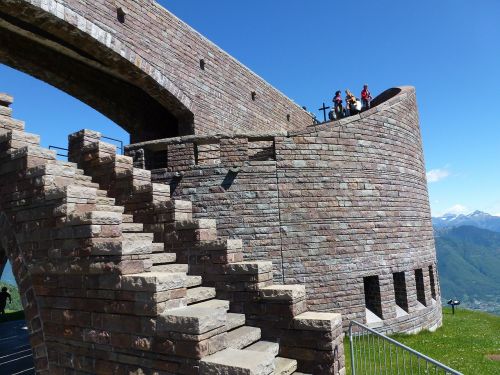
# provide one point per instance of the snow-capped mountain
(476, 219)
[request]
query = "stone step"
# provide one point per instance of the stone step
(235, 321)
(18, 138)
(106, 201)
(215, 304)
(193, 280)
(11, 123)
(265, 346)
(237, 362)
(128, 218)
(242, 337)
(158, 247)
(83, 177)
(33, 151)
(139, 248)
(109, 207)
(285, 293)
(69, 164)
(284, 366)
(193, 319)
(139, 236)
(200, 294)
(132, 227)
(175, 267)
(5, 111)
(153, 282)
(102, 193)
(249, 267)
(162, 258)
(6, 100)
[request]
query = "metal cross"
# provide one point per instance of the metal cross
(324, 108)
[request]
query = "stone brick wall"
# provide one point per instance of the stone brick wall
(340, 202)
(102, 254)
(152, 50)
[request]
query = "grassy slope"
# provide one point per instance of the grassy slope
(461, 343)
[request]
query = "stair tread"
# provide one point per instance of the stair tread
(127, 218)
(214, 303)
(158, 247)
(162, 258)
(234, 361)
(170, 267)
(193, 280)
(235, 321)
(199, 294)
(284, 366)
(138, 236)
(193, 319)
(242, 337)
(132, 227)
(265, 346)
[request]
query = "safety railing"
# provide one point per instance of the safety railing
(115, 140)
(375, 353)
(59, 148)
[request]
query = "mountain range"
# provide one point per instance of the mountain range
(476, 219)
(468, 253)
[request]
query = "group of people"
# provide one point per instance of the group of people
(352, 106)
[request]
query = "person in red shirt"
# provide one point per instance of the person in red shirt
(366, 98)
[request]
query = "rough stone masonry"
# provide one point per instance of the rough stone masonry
(119, 257)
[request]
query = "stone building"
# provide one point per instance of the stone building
(234, 233)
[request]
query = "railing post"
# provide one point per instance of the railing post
(353, 365)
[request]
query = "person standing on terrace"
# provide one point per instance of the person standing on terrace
(366, 98)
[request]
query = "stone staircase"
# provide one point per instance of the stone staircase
(126, 281)
(280, 310)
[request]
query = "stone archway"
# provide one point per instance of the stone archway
(10, 251)
(93, 65)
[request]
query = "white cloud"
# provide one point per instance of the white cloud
(457, 209)
(435, 175)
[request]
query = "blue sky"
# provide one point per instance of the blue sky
(448, 49)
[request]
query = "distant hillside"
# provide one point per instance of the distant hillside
(469, 266)
(16, 299)
(477, 219)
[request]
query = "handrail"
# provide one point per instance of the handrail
(59, 148)
(115, 140)
(379, 335)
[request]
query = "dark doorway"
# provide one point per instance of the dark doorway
(373, 300)
(400, 290)
(419, 283)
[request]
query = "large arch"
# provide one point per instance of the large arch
(95, 68)
(142, 67)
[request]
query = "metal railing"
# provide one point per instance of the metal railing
(115, 140)
(375, 353)
(59, 148)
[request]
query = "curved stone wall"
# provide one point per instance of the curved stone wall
(354, 205)
(342, 207)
